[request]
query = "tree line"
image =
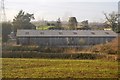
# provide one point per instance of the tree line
(23, 21)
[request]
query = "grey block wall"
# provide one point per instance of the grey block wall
(63, 41)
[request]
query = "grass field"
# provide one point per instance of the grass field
(45, 27)
(58, 68)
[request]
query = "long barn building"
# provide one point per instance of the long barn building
(64, 38)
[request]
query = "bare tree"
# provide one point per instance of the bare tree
(112, 19)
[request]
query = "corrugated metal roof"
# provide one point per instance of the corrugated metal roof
(49, 33)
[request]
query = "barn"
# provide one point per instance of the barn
(64, 38)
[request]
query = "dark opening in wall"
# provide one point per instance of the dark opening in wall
(42, 33)
(26, 33)
(106, 32)
(74, 32)
(60, 33)
(93, 33)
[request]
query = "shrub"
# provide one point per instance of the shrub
(29, 54)
(21, 48)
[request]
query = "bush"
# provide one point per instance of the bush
(21, 48)
(29, 54)
(40, 49)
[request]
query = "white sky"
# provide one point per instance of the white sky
(91, 10)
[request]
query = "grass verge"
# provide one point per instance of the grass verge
(58, 68)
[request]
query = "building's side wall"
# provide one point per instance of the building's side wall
(63, 41)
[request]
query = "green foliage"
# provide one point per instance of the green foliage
(34, 54)
(44, 27)
(59, 68)
(22, 21)
(6, 30)
(118, 28)
(45, 52)
(21, 48)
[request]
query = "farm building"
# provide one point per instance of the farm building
(64, 38)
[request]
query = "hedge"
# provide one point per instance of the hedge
(34, 54)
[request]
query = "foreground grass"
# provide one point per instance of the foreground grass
(58, 68)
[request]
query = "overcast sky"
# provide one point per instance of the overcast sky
(91, 10)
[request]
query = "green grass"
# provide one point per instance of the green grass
(45, 27)
(58, 68)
